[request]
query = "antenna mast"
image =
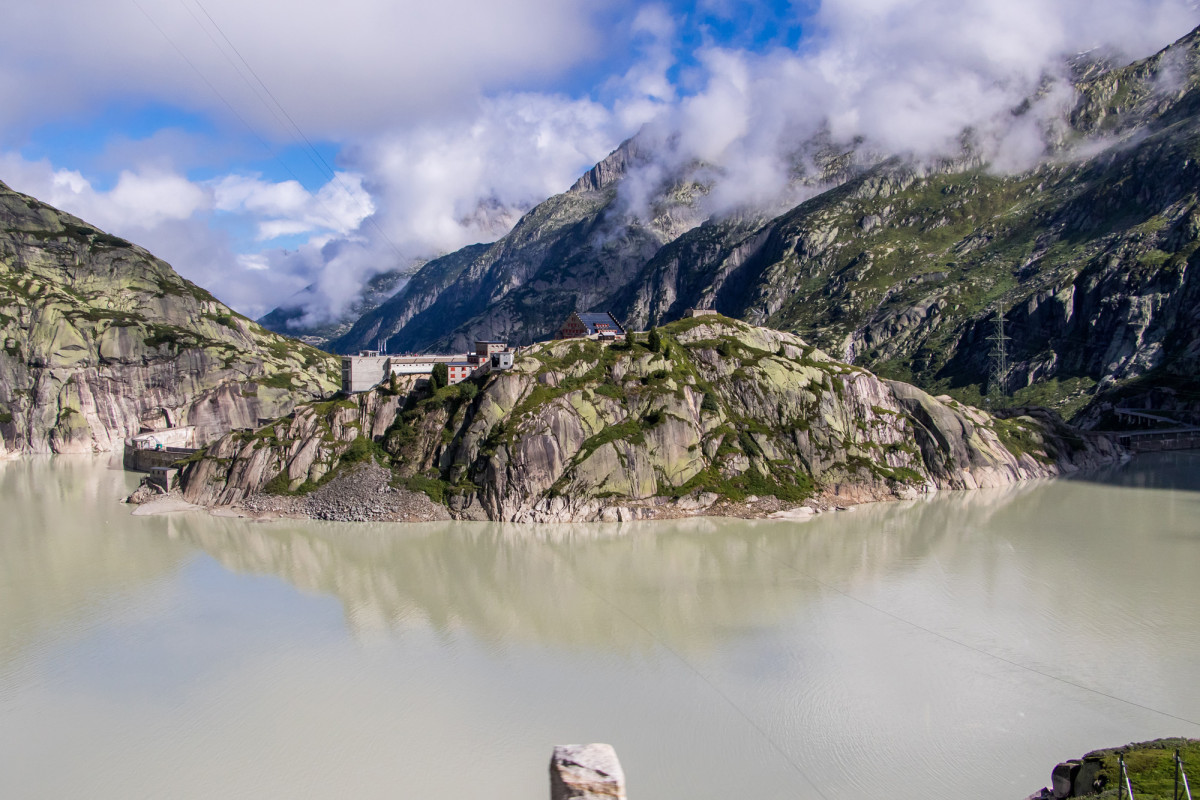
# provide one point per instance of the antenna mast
(998, 371)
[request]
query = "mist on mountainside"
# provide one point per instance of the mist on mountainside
(750, 132)
(900, 264)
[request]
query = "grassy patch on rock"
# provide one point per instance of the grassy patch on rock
(1020, 436)
(1151, 767)
(797, 487)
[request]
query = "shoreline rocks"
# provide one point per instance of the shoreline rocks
(362, 494)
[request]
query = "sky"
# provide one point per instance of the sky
(262, 147)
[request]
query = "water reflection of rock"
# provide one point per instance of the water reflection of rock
(67, 544)
(692, 583)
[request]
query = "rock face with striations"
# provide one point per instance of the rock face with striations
(896, 266)
(101, 339)
(723, 417)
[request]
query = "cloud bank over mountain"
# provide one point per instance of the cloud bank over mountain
(448, 121)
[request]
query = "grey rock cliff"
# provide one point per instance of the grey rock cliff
(101, 339)
(727, 418)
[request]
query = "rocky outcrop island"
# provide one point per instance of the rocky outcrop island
(707, 415)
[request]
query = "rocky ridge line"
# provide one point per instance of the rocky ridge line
(722, 418)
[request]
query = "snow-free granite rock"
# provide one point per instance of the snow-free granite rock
(725, 418)
(586, 772)
(100, 339)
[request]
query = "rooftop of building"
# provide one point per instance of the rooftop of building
(604, 317)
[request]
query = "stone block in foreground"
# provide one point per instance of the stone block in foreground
(586, 771)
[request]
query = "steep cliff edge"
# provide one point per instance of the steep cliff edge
(719, 417)
(101, 339)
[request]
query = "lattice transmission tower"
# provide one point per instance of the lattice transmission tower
(998, 367)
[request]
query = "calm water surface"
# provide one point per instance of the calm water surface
(956, 647)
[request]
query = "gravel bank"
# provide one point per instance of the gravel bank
(364, 494)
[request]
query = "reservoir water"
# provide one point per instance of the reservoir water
(955, 647)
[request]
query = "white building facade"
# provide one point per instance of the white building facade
(369, 368)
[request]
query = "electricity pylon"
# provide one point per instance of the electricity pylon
(998, 368)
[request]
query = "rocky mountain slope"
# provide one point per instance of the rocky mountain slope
(719, 417)
(575, 251)
(101, 339)
(898, 266)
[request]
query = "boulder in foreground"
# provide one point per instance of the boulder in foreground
(587, 771)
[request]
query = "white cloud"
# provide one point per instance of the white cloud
(909, 75)
(440, 187)
(146, 200)
(515, 151)
(359, 68)
(277, 228)
(710, 122)
(902, 76)
(138, 200)
(240, 192)
(288, 209)
(173, 218)
(254, 261)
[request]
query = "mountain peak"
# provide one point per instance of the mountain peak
(615, 165)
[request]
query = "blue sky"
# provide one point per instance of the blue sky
(81, 138)
(261, 147)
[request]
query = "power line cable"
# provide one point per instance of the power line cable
(231, 63)
(319, 159)
(972, 647)
(211, 87)
(574, 574)
(250, 128)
